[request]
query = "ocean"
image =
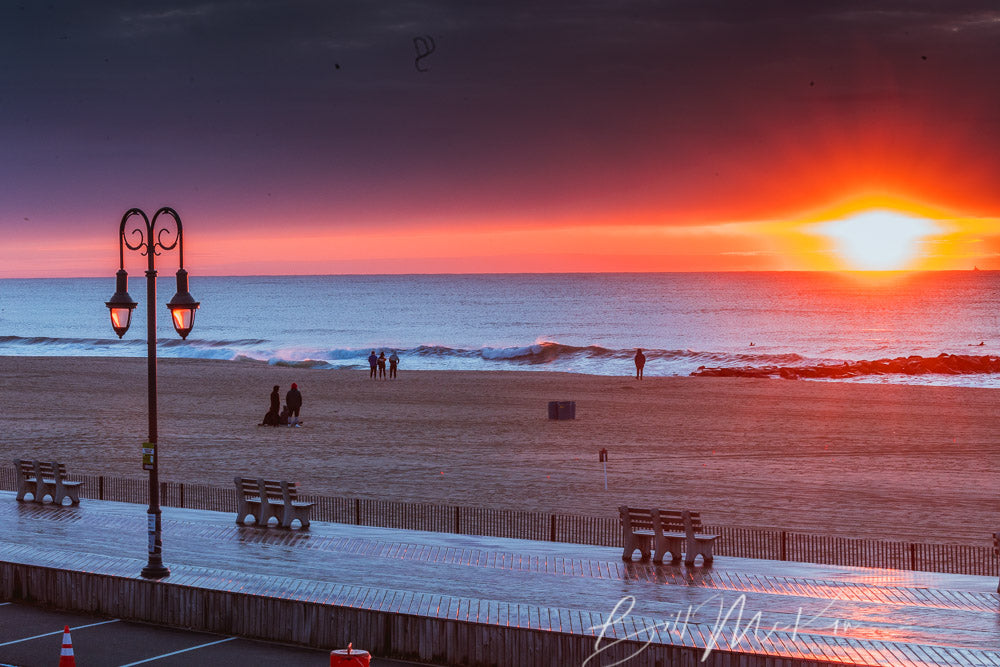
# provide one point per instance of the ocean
(760, 324)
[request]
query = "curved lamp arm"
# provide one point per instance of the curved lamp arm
(147, 239)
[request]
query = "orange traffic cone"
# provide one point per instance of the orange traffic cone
(66, 655)
(350, 657)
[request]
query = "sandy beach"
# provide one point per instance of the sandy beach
(889, 461)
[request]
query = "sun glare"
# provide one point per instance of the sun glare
(878, 240)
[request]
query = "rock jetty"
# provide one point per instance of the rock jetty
(943, 364)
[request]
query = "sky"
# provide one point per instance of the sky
(328, 137)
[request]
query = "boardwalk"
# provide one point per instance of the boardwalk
(813, 612)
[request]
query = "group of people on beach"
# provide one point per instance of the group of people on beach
(288, 415)
(377, 364)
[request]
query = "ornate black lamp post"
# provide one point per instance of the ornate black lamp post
(182, 307)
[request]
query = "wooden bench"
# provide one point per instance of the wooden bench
(263, 499)
(46, 478)
(657, 532)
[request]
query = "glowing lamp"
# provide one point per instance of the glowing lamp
(182, 306)
(121, 305)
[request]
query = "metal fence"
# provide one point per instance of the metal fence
(602, 531)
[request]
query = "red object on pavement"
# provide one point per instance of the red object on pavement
(66, 658)
(349, 657)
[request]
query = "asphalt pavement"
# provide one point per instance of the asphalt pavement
(32, 635)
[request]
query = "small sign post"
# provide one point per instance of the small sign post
(603, 456)
(148, 455)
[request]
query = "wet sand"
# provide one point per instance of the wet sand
(887, 461)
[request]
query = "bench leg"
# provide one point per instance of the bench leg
(291, 514)
(704, 550)
(659, 548)
(63, 492)
(247, 510)
(663, 545)
(269, 511)
(633, 542)
(628, 545)
(46, 489)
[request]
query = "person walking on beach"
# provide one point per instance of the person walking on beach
(393, 362)
(293, 401)
(272, 414)
(372, 362)
(381, 364)
(640, 361)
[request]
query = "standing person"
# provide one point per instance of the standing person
(381, 364)
(640, 361)
(272, 413)
(393, 362)
(372, 362)
(293, 400)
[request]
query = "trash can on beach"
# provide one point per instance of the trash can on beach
(562, 409)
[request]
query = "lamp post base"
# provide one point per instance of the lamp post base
(155, 571)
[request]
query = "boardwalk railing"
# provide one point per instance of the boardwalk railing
(601, 531)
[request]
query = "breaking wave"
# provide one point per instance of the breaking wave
(544, 355)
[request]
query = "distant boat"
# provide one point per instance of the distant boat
(975, 268)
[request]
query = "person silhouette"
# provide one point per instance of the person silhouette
(293, 401)
(640, 361)
(272, 414)
(372, 362)
(381, 364)
(393, 362)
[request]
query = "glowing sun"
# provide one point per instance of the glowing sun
(878, 240)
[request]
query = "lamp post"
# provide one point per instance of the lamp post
(147, 239)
